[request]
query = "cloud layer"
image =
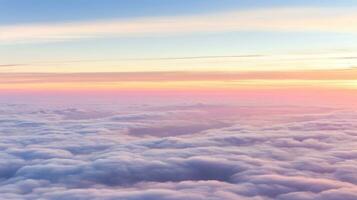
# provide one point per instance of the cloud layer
(178, 152)
(273, 19)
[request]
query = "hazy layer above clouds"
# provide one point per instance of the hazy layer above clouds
(174, 152)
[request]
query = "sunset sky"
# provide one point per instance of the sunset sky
(178, 99)
(177, 45)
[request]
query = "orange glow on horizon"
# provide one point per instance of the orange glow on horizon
(182, 85)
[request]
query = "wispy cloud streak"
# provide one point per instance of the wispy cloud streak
(273, 19)
(11, 65)
(343, 74)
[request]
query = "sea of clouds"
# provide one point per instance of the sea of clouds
(190, 152)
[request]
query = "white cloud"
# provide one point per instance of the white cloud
(84, 154)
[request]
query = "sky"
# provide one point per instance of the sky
(227, 45)
(178, 99)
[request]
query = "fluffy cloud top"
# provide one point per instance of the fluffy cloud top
(178, 152)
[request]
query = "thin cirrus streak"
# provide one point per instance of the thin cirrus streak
(280, 19)
(11, 65)
(39, 63)
(189, 81)
(337, 74)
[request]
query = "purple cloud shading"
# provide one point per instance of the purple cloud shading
(177, 152)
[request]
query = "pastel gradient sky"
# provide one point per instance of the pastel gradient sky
(178, 99)
(228, 47)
